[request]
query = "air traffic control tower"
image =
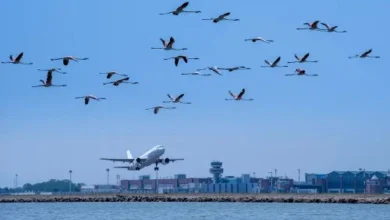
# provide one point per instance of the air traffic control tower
(217, 170)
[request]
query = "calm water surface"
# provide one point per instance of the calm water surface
(192, 211)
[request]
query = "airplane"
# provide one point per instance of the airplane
(152, 156)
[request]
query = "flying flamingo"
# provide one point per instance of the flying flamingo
(238, 97)
(111, 73)
(87, 97)
(180, 9)
(185, 58)
(157, 108)
(221, 18)
(274, 64)
(259, 39)
(364, 55)
(312, 26)
(300, 72)
(168, 46)
(212, 68)
(196, 73)
(119, 81)
(176, 99)
(65, 60)
(48, 82)
(331, 29)
(53, 70)
(303, 59)
(16, 60)
(231, 69)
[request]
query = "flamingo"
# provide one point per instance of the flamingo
(239, 96)
(111, 73)
(88, 97)
(119, 81)
(48, 82)
(168, 46)
(157, 108)
(16, 60)
(331, 29)
(303, 59)
(364, 55)
(312, 26)
(259, 39)
(176, 99)
(300, 72)
(212, 68)
(196, 73)
(231, 69)
(180, 9)
(221, 18)
(185, 58)
(53, 70)
(274, 64)
(65, 60)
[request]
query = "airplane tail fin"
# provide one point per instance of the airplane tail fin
(129, 156)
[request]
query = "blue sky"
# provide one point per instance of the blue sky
(338, 120)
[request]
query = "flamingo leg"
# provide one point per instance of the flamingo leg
(166, 13)
(191, 11)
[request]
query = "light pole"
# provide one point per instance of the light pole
(70, 181)
(108, 176)
(271, 179)
(16, 181)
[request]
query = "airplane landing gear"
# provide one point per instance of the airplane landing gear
(156, 168)
(137, 168)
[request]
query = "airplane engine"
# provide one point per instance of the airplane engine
(138, 160)
(165, 161)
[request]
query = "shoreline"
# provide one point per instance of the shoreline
(245, 198)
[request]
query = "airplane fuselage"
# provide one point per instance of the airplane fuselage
(150, 157)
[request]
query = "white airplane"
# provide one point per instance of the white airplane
(152, 156)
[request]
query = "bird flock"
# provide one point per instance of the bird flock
(168, 45)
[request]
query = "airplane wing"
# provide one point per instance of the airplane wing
(118, 160)
(170, 160)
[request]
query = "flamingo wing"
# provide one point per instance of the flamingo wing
(65, 61)
(156, 110)
(305, 57)
(184, 58)
(86, 100)
(163, 42)
(267, 62)
(224, 15)
(234, 96)
(171, 41)
(297, 57)
(326, 25)
(367, 52)
(11, 58)
(181, 7)
(179, 97)
(241, 94)
(177, 61)
(315, 23)
(19, 57)
(276, 61)
(49, 77)
(170, 97)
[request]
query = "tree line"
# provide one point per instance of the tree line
(52, 185)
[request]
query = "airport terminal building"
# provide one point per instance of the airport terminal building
(372, 182)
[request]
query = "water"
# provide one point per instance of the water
(192, 211)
